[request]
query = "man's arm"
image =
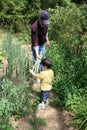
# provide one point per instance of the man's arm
(47, 40)
(34, 38)
(36, 48)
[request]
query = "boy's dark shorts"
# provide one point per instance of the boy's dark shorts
(45, 95)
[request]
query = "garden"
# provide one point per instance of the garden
(68, 51)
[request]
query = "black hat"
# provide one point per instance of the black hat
(44, 15)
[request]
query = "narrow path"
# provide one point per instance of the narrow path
(55, 118)
(52, 117)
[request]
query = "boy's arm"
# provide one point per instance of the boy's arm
(39, 75)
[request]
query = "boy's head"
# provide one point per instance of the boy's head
(46, 62)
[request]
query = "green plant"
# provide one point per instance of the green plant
(17, 15)
(68, 52)
(14, 101)
(17, 82)
(12, 52)
(1, 54)
(18, 59)
(81, 113)
(37, 122)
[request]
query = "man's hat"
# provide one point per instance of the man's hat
(44, 15)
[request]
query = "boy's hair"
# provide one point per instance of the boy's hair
(46, 62)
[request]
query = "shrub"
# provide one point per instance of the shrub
(68, 50)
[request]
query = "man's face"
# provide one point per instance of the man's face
(41, 23)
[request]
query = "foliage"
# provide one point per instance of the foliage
(79, 2)
(68, 52)
(37, 122)
(18, 59)
(1, 54)
(12, 53)
(65, 31)
(19, 7)
(16, 85)
(16, 14)
(8, 105)
(80, 109)
(53, 3)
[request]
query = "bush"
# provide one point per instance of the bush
(68, 52)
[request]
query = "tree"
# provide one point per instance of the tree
(79, 1)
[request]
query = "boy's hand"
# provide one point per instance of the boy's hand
(32, 72)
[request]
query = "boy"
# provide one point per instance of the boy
(46, 77)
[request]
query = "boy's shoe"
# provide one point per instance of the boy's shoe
(41, 106)
(47, 102)
(38, 80)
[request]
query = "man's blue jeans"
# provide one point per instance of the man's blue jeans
(41, 52)
(41, 49)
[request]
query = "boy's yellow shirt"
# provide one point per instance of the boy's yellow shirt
(46, 78)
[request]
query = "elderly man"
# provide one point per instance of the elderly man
(39, 34)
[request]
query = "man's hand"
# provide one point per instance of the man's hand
(47, 40)
(48, 43)
(38, 57)
(36, 51)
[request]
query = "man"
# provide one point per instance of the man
(39, 35)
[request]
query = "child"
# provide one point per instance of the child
(46, 77)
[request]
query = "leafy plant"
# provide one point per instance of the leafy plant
(18, 59)
(17, 15)
(1, 54)
(37, 122)
(81, 113)
(68, 52)
(14, 101)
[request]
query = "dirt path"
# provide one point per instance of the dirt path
(52, 117)
(55, 119)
